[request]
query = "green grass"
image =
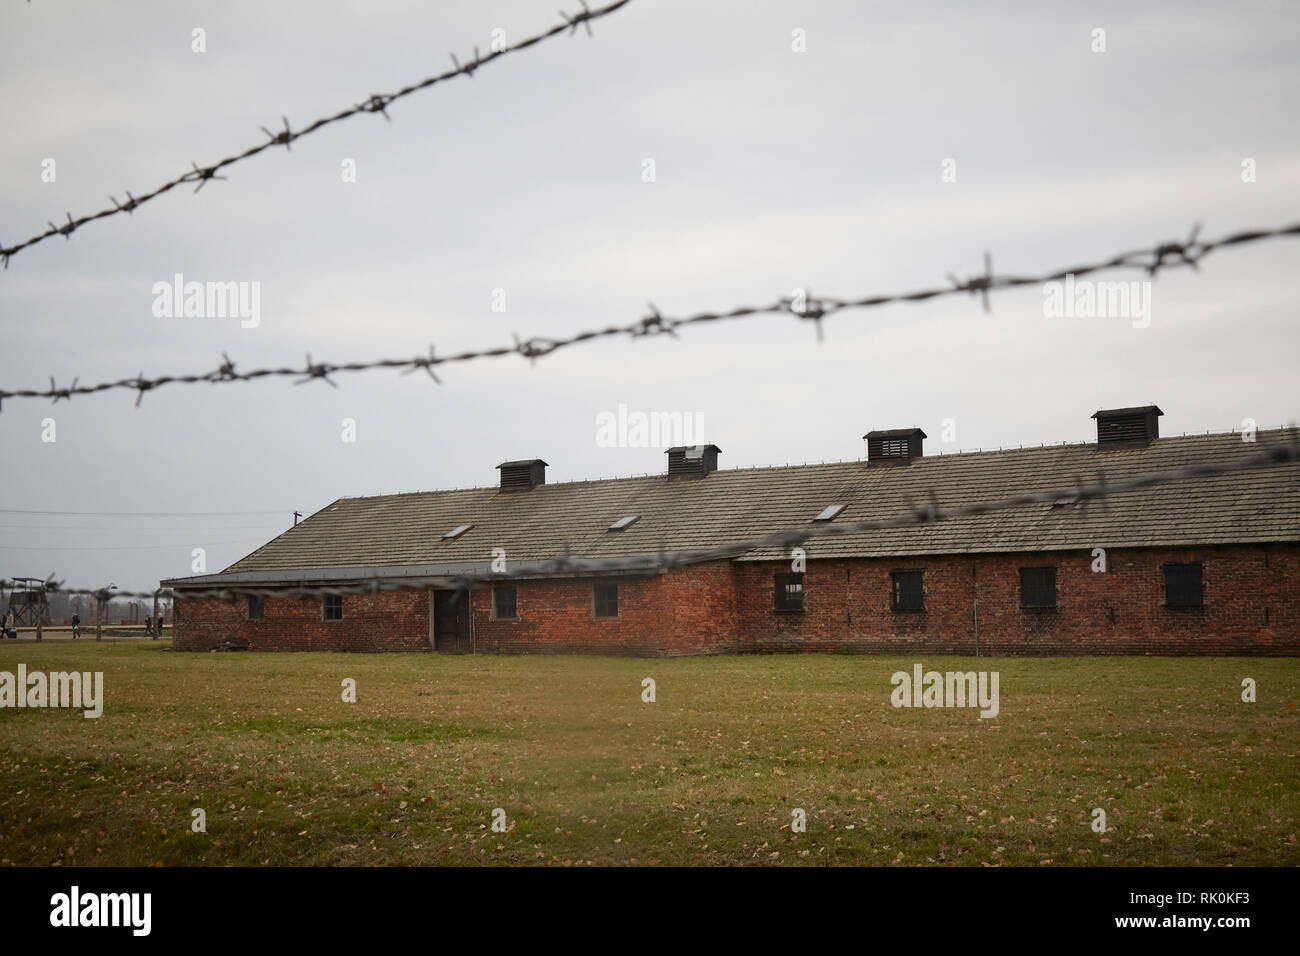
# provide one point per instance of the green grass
(587, 773)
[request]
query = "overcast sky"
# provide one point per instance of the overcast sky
(774, 169)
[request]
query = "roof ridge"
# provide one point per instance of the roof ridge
(842, 463)
(742, 504)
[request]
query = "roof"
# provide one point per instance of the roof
(1124, 412)
(896, 433)
(406, 530)
(449, 572)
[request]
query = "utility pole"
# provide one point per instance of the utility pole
(101, 609)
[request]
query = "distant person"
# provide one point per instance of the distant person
(76, 625)
(148, 624)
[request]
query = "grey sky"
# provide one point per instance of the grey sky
(775, 170)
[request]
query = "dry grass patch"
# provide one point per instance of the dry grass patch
(587, 773)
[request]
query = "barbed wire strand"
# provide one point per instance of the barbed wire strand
(375, 103)
(650, 562)
(1150, 260)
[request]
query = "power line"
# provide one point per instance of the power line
(144, 514)
(127, 547)
(134, 529)
(375, 103)
(1150, 260)
(932, 512)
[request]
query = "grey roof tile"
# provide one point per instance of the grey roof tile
(1260, 505)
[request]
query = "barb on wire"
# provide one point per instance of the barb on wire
(128, 207)
(810, 310)
(286, 136)
(566, 563)
(226, 370)
(427, 364)
(376, 103)
(982, 284)
(1151, 260)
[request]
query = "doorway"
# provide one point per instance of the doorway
(451, 622)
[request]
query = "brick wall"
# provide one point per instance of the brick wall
(1252, 606)
(687, 611)
(388, 621)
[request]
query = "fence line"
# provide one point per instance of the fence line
(1150, 260)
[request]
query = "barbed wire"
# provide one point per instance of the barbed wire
(375, 103)
(1150, 260)
(931, 512)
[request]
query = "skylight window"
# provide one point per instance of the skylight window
(456, 532)
(830, 513)
(625, 522)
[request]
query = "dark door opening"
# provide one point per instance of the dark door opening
(451, 622)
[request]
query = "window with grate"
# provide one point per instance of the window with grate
(1038, 587)
(908, 592)
(893, 448)
(504, 605)
(788, 591)
(332, 607)
(606, 600)
(256, 607)
(1184, 585)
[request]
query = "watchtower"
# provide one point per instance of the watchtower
(28, 603)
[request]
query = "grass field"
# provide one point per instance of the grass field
(287, 773)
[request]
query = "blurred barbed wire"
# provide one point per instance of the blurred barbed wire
(375, 103)
(1150, 260)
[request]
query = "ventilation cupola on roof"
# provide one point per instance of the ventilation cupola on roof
(894, 446)
(692, 461)
(522, 475)
(1127, 427)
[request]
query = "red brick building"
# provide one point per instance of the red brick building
(1201, 565)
